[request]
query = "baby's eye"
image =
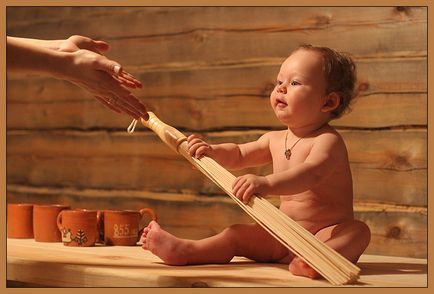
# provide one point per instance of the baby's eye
(295, 83)
(278, 83)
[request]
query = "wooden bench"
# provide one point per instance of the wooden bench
(31, 263)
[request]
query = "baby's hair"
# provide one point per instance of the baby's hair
(340, 74)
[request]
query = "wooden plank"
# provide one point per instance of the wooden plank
(368, 112)
(397, 233)
(397, 149)
(207, 93)
(204, 26)
(388, 166)
(395, 230)
(53, 264)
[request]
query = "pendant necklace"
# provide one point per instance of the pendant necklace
(288, 152)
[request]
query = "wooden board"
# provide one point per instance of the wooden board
(188, 33)
(53, 264)
(205, 93)
(388, 166)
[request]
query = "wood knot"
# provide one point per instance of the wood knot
(322, 20)
(199, 285)
(363, 86)
(393, 232)
(200, 37)
(402, 11)
(399, 161)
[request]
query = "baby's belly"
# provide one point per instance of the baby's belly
(314, 215)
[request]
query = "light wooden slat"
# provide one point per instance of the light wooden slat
(195, 26)
(206, 94)
(382, 110)
(116, 266)
(394, 231)
(387, 166)
(386, 149)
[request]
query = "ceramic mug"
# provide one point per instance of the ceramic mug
(45, 222)
(78, 227)
(121, 227)
(20, 220)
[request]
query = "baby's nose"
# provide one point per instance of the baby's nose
(281, 89)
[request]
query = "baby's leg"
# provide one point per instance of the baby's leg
(350, 239)
(248, 240)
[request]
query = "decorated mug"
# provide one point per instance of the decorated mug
(121, 227)
(78, 227)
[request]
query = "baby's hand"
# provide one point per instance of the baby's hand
(246, 186)
(197, 147)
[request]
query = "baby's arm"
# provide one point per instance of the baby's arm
(233, 156)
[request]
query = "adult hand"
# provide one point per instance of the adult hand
(104, 79)
(109, 86)
(78, 59)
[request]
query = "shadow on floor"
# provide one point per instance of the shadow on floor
(386, 268)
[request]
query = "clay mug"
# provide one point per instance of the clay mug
(121, 227)
(78, 227)
(20, 220)
(45, 222)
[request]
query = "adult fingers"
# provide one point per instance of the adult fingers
(107, 65)
(100, 45)
(125, 96)
(125, 107)
(127, 76)
(108, 105)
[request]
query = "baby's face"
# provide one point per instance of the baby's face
(300, 88)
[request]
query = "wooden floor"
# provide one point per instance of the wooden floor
(53, 264)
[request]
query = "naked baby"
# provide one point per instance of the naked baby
(311, 171)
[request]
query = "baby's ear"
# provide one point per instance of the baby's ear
(331, 103)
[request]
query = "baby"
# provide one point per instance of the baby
(311, 172)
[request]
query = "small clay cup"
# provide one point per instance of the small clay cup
(45, 222)
(20, 220)
(121, 227)
(78, 227)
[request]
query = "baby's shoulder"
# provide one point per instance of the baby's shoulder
(329, 137)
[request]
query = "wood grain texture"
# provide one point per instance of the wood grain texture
(210, 70)
(387, 166)
(118, 266)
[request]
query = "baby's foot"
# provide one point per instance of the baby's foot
(163, 244)
(300, 268)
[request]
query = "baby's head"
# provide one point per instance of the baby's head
(340, 76)
(314, 85)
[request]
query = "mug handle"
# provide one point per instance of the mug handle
(148, 211)
(59, 221)
(99, 226)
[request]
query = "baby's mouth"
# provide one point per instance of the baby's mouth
(281, 103)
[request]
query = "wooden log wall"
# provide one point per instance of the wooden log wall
(210, 70)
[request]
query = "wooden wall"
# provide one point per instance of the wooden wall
(210, 71)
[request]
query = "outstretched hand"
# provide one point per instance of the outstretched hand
(103, 78)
